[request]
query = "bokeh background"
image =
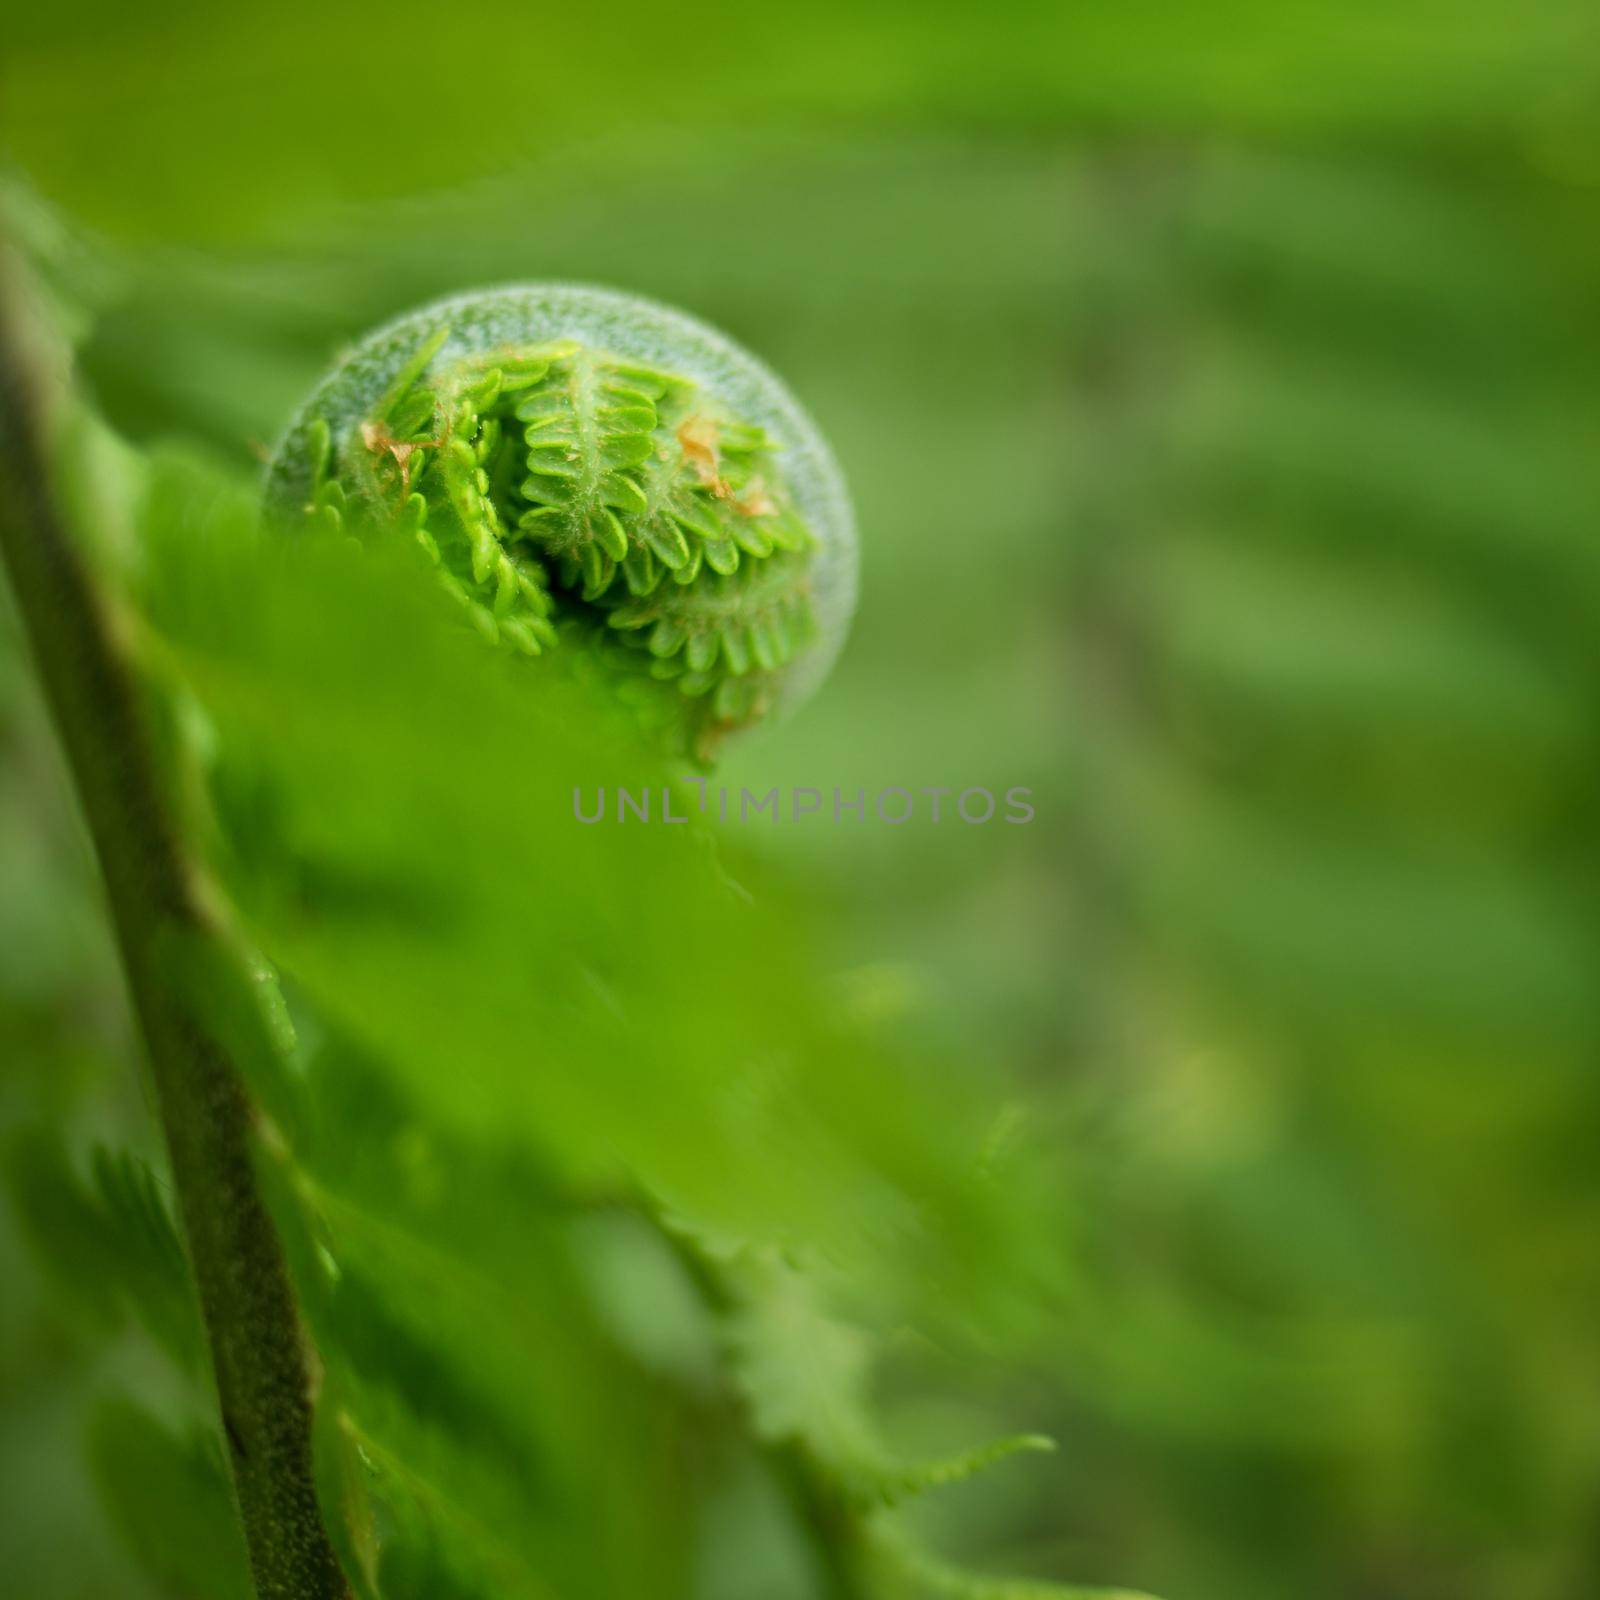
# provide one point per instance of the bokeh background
(1217, 387)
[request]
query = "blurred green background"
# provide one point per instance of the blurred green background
(1217, 388)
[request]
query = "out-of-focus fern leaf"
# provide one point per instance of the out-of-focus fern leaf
(463, 1378)
(803, 1373)
(1337, 676)
(408, 849)
(618, 1019)
(110, 1242)
(169, 1497)
(1244, 67)
(901, 1482)
(908, 1572)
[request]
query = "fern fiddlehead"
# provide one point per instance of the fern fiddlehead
(594, 476)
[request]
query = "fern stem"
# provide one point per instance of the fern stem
(835, 1539)
(259, 1355)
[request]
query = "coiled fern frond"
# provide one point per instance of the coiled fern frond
(599, 477)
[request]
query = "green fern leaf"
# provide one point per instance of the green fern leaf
(804, 1375)
(905, 1568)
(111, 1243)
(169, 1498)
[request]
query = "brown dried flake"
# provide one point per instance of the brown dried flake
(755, 501)
(377, 438)
(698, 436)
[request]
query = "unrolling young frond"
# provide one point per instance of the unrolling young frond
(564, 490)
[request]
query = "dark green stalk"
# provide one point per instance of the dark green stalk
(262, 1364)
